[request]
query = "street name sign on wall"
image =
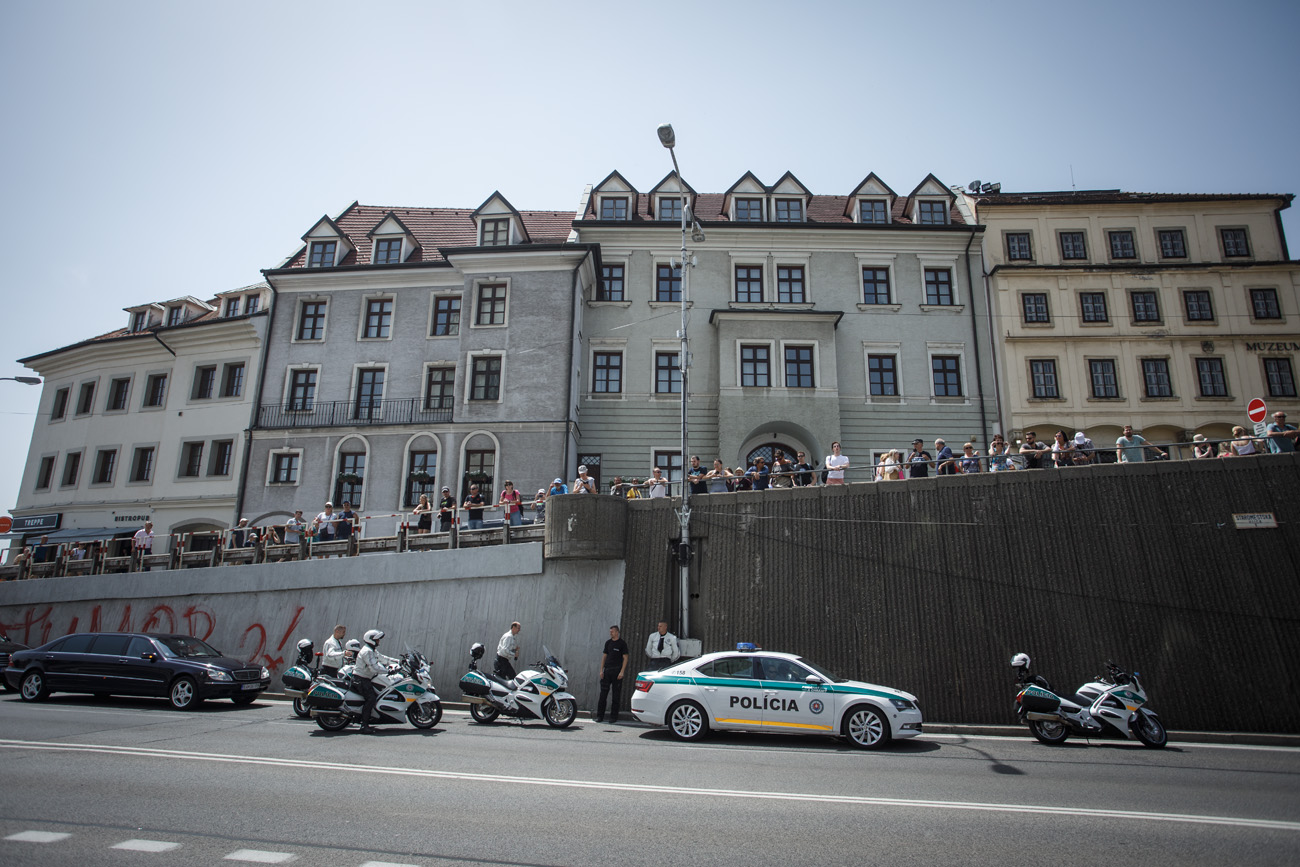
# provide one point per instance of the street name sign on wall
(1254, 520)
(1256, 410)
(37, 523)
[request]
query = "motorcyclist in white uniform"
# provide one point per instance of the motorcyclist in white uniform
(370, 667)
(332, 654)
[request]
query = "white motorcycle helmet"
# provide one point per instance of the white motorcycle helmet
(373, 637)
(353, 645)
(1020, 660)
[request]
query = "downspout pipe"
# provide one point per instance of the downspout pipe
(257, 401)
(975, 335)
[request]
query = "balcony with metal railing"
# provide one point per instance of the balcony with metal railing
(351, 413)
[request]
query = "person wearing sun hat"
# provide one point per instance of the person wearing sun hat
(1084, 449)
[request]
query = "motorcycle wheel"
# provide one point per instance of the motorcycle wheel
(300, 709)
(483, 713)
(1050, 732)
(562, 713)
(424, 716)
(332, 722)
(1150, 732)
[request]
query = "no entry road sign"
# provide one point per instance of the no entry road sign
(1256, 410)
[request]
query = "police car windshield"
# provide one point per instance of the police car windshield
(186, 648)
(823, 672)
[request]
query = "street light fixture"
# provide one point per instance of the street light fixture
(669, 140)
(25, 380)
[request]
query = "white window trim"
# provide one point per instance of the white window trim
(364, 311)
(512, 230)
(54, 469)
(270, 469)
(406, 469)
(469, 376)
(76, 401)
(194, 381)
(778, 260)
(658, 258)
(338, 462)
(658, 345)
(669, 195)
(478, 285)
(886, 261)
(772, 367)
(763, 197)
(753, 261)
(624, 260)
(287, 391)
(818, 373)
(791, 197)
(424, 381)
(297, 318)
(220, 385)
(212, 451)
(895, 349)
(940, 261)
(449, 292)
(959, 350)
(403, 251)
(857, 210)
(616, 194)
(916, 210)
(341, 250)
(605, 344)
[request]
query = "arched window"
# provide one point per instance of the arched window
(423, 475)
(765, 452)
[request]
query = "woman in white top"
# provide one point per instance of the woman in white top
(836, 464)
(1243, 444)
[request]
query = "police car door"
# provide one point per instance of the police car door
(731, 688)
(790, 703)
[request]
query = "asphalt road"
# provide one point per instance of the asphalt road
(131, 782)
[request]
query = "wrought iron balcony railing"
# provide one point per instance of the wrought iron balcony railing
(350, 413)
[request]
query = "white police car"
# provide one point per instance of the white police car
(756, 690)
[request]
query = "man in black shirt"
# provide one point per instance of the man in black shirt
(613, 665)
(474, 504)
(446, 511)
(695, 473)
(918, 462)
(803, 471)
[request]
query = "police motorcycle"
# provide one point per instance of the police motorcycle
(298, 679)
(538, 693)
(409, 697)
(1111, 705)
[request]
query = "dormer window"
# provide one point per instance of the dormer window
(749, 210)
(251, 303)
(872, 211)
(232, 307)
(322, 254)
(789, 210)
(388, 251)
(670, 208)
(496, 233)
(613, 208)
(932, 213)
(175, 316)
(138, 320)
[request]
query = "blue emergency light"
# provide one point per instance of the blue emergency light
(745, 647)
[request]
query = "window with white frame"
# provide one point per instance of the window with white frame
(607, 372)
(872, 211)
(252, 303)
(789, 210)
(938, 287)
(388, 251)
(368, 401)
(232, 307)
(496, 232)
(670, 208)
(485, 378)
(446, 316)
(882, 375)
(932, 213)
(749, 210)
(613, 208)
(440, 387)
(668, 283)
(755, 365)
(1210, 374)
(322, 254)
(284, 468)
(311, 320)
(1042, 377)
(790, 284)
(1155, 377)
(668, 378)
(611, 285)
(219, 463)
(378, 324)
(302, 389)
(490, 306)
(1280, 376)
(142, 464)
(749, 284)
(875, 285)
(105, 463)
(799, 367)
(946, 374)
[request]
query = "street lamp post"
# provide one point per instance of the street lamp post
(25, 380)
(669, 140)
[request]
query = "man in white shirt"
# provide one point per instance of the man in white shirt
(293, 528)
(142, 542)
(507, 652)
(331, 659)
(836, 464)
(370, 675)
(657, 484)
(661, 648)
(325, 523)
(583, 484)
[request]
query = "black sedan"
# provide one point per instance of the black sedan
(7, 646)
(180, 667)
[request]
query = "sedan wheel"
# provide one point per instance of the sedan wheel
(866, 728)
(33, 687)
(687, 722)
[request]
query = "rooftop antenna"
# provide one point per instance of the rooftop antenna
(1072, 187)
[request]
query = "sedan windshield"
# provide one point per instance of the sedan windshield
(823, 672)
(187, 648)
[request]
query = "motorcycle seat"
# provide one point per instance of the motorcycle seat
(501, 680)
(1080, 700)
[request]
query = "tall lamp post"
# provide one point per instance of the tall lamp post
(669, 140)
(25, 380)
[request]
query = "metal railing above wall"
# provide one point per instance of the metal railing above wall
(349, 413)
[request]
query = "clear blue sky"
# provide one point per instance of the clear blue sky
(158, 149)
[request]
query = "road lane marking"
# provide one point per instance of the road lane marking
(386, 864)
(260, 856)
(146, 845)
(856, 800)
(38, 837)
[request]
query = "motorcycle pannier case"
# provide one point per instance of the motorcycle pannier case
(474, 683)
(324, 697)
(1036, 700)
(294, 679)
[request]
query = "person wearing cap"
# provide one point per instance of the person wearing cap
(539, 507)
(512, 503)
(557, 487)
(1281, 436)
(446, 510)
(583, 484)
(1084, 450)
(242, 536)
(918, 460)
(326, 521)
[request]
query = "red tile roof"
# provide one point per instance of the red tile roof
(821, 210)
(434, 228)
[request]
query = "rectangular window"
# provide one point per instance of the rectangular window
(1264, 304)
(882, 375)
(1155, 377)
(749, 284)
(1210, 373)
(370, 394)
(670, 208)
(1146, 306)
(946, 370)
(491, 308)
(193, 465)
(352, 465)
(118, 392)
(86, 398)
(71, 467)
(1278, 372)
(875, 285)
(440, 388)
(755, 367)
(1034, 307)
(1093, 305)
(251, 304)
(205, 380)
(1197, 303)
(388, 251)
(749, 210)
(175, 316)
(932, 213)
(613, 208)
(668, 379)
(232, 380)
(789, 284)
(219, 464)
(1235, 243)
(1121, 245)
(789, 210)
(45, 474)
(311, 320)
(668, 283)
(872, 212)
(1102, 374)
(322, 254)
(302, 390)
(799, 367)
(105, 461)
(938, 286)
(486, 384)
(1173, 244)
(1018, 246)
(232, 307)
(671, 464)
(284, 468)
(496, 233)
(611, 283)
(446, 316)
(1042, 371)
(60, 408)
(142, 465)
(155, 390)
(607, 373)
(1073, 246)
(138, 320)
(379, 318)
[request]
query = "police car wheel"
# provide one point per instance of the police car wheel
(865, 728)
(687, 722)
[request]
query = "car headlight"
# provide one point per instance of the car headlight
(901, 704)
(218, 674)
(266, 673)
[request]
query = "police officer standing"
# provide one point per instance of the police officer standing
(613, 665)
(661, 647)
(332, 654)
(507, 653)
